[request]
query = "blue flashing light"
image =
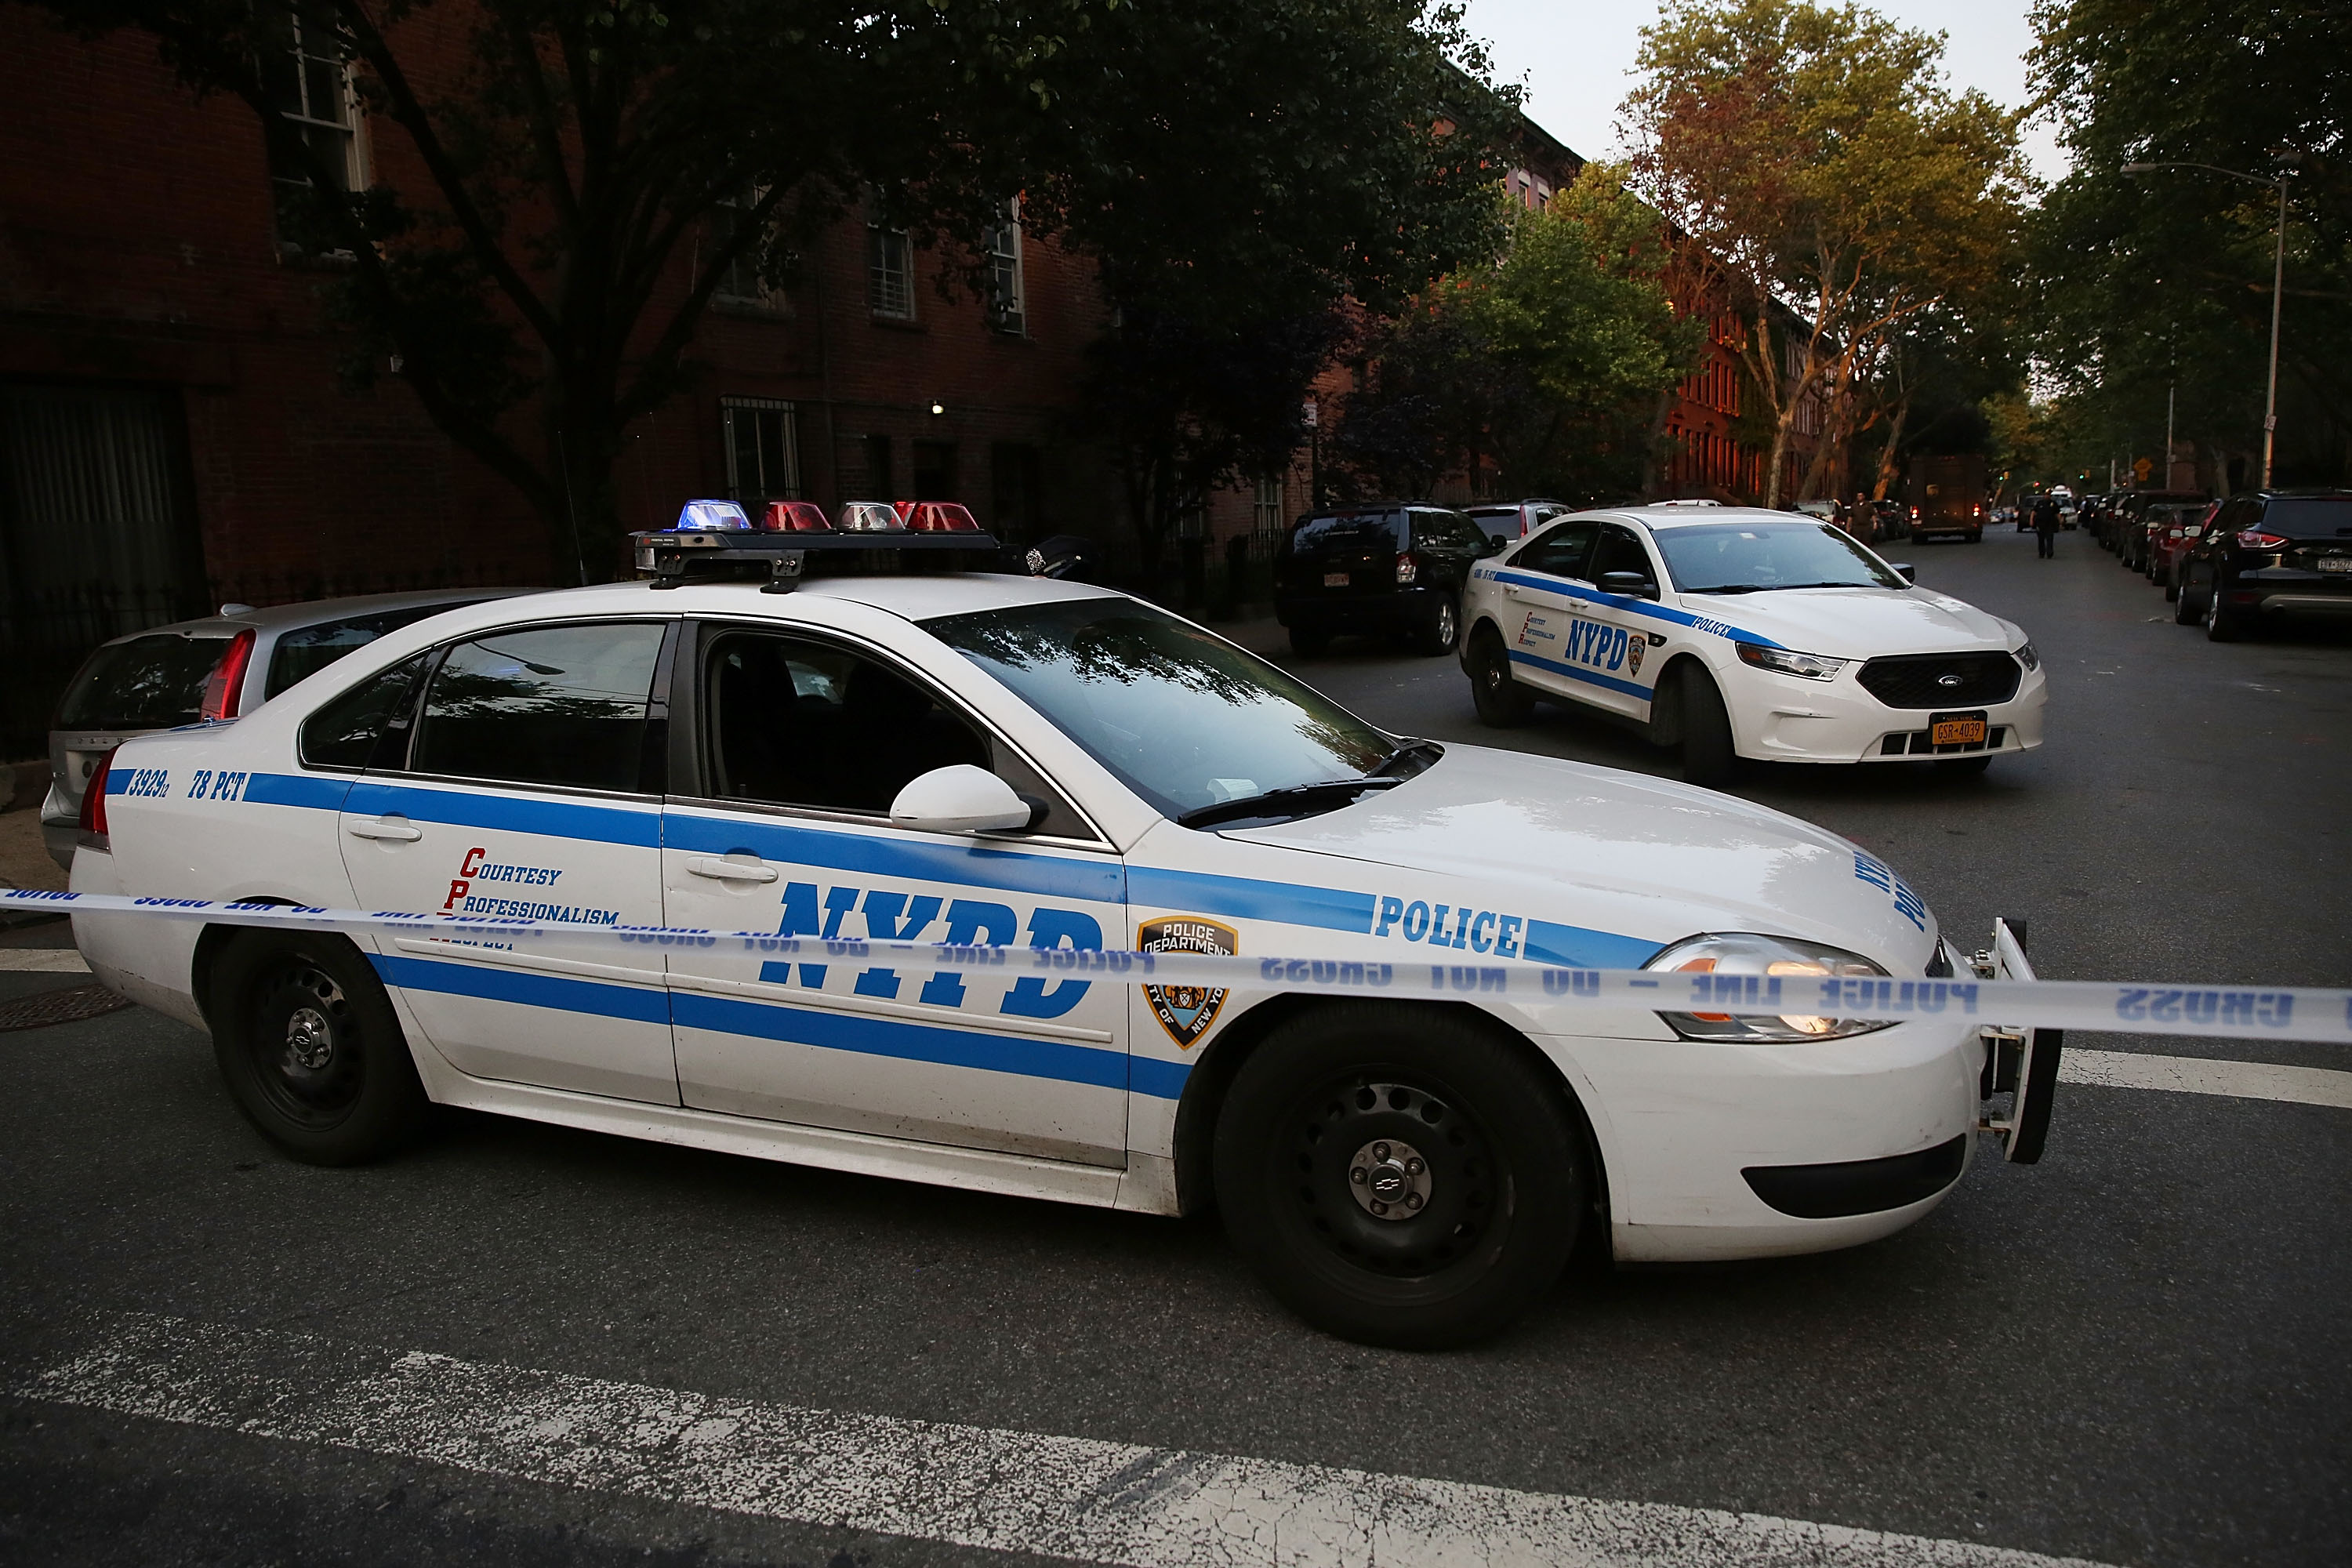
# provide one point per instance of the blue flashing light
(713, 517)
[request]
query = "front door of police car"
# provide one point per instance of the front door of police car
(802, 744)
(531, 786)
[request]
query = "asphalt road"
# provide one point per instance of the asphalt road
(2135, 1352)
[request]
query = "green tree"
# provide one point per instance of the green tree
(2160, 283)
(1834, 185)
(1544, 363)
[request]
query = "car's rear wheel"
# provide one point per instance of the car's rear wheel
(2220, 624)
(1399, 1176)
(1709, 757)
(2188, 609)
(1503, 703)
(1443, 626)
(310, 1048)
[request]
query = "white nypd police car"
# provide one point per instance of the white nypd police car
(997, 760)
(1733, 632)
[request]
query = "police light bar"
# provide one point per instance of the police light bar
(714, 541)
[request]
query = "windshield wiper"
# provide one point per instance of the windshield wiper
(1775, 587)
(1273, 802)
(1425, 752)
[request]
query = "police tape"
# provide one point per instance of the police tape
(2280, 1012)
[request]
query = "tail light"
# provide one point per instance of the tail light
(1976, 511)
(93, 796)
(1915, 514)
(1407, 568)
(2255, 539)
(226, 686)
(940, 517)
(794, 517)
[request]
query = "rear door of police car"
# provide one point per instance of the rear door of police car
(529, 784)
(791, 741)
(1545, 595)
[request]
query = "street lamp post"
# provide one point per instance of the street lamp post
(2278, 287)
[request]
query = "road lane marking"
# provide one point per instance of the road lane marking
(42, 961)
(2199, 1074)
(1074, 1497)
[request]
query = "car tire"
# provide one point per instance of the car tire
(310, 1048)
(2220, 624)
(1306, 643)
(2188, 610)
(1709, 757)
(1443, 631)
(2172, 585)
(1502, 702)
(1473, 1132)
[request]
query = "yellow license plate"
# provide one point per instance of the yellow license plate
(1958, 732)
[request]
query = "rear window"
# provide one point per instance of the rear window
(309, 649)
(2298, 516)
(148, 683)
(1350, 531)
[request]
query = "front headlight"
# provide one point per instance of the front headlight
(1775, 961)
(2027, 657)
(1788, 661)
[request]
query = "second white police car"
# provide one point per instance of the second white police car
(987, 758)
(1737, 633)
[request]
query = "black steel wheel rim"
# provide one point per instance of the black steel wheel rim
(1339, 1141)
(304, 1046)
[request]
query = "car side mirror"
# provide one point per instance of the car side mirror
(1494, 546)
(1632, 584)
(960, 799)
(1905, 570)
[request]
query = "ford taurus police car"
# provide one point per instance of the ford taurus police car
(1739, 633)
(994, 760)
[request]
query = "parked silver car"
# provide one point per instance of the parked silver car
(215, 667)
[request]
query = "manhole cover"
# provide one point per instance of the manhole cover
(69, 1005)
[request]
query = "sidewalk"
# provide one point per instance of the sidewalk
(24, 863)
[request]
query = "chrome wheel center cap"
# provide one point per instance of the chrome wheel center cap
(1389, 1180)
(310, 1039)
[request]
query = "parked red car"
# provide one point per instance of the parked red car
(2169, 545)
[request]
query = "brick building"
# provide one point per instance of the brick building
(175, 430)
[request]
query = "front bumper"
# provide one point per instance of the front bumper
(1786, 718)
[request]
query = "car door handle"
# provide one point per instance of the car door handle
(1512, 590)
(730, 871)
(391, 829)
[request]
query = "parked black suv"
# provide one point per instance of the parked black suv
(1389, 568)
(2269, 556)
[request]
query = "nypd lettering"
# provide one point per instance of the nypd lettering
(1571, 639)
(1447, 925)
(1878, 874)
(888, 916)
(1186, 1011)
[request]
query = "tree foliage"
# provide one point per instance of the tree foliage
(1541, 365)
(1834, 185)
(2157, 283)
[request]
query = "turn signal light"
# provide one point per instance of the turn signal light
(93, 796)
(794, 517)
(225, 688)
(2255, 539)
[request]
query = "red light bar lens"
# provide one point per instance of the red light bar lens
(794, 517)
(226, 686)
(940, 517)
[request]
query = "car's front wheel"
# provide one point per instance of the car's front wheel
(1709, 757)
(1399, 1175)
(1503, 703)
(310, 1048)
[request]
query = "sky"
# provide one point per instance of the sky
(1575, 58)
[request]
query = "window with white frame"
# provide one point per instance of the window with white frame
(308, 76)
(889, 271)
(1006, 303)
(764, 456)
(1265, 514)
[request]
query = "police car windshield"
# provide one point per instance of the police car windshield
(1755, 557)
(1185, 720)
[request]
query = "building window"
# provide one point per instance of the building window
(310, 82)
(740, 284)
(1266, 515)
(764, 456)
(1005, 303)
(889, 272)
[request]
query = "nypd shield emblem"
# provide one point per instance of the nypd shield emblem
(1635, 647)
(1185, 1011)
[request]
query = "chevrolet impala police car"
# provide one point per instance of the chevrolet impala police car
(1734, 633)
(994, 760)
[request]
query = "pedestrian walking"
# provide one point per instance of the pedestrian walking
(2045, 527)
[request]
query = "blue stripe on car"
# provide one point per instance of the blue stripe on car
(1100, 878)
(1574, 947)
(1575, 672)
(1203, 892)
(636, 827)
(1566, 590)
(640, 1004)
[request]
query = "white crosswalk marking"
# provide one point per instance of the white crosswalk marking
(2202, 1075)
(1071, 1498)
